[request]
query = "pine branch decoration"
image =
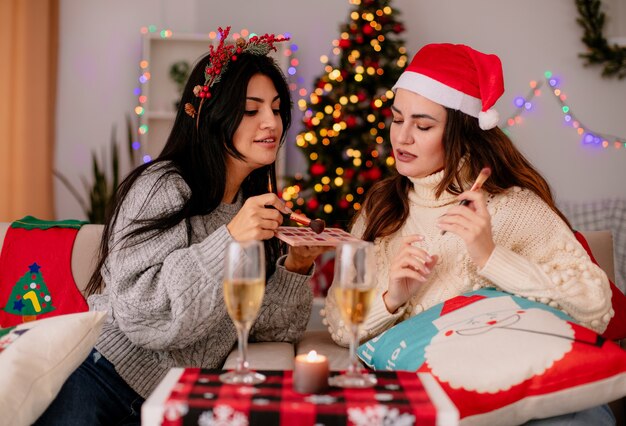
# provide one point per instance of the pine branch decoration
(613, 57)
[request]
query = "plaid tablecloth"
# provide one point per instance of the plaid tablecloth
(196, 397)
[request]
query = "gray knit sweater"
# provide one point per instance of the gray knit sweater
(164, 296)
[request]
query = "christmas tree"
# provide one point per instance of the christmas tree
(345, 136)
(30, 296)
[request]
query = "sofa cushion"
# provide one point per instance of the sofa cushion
(84, 251)
(503, 359)
(36, 279)
(37, 357)
(265, 356)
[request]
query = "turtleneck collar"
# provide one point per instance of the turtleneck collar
(423, 192)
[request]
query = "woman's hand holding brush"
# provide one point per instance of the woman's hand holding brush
(258, 218)
(317, 225)
(471, 221)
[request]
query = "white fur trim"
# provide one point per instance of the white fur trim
(488, 119)
(439, 92)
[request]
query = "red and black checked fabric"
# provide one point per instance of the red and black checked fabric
(199, 398)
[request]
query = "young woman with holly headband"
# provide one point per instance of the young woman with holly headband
(510, 235)
(160, 271)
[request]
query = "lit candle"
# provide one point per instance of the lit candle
(311, 373)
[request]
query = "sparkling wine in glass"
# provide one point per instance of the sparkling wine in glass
(244, 286)
(354, 286)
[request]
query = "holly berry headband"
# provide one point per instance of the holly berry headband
(220, 57)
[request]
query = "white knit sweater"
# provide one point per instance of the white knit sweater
(536, 256)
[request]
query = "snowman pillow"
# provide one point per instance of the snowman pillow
(503, 359)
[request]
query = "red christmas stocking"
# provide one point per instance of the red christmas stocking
(35, 271)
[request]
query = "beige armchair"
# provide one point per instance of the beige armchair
(280, 356)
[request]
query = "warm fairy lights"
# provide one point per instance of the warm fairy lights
(345, 115)
(588, 137)
(145, 76)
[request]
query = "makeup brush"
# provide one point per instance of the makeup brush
(480, 179)
(316, 225)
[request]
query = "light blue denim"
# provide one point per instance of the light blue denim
(596, 416)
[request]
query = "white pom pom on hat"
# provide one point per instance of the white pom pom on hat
(458, 77)
(488, 119)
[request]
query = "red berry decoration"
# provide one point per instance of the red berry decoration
(313, 204)
(398, 28)
(317, 169)
(375, 174)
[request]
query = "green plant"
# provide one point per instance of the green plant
(179, 72)
(103, 183)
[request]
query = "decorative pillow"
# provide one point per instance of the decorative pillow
(503, 359)
(37, 357)
(36, 279)
(616, 329)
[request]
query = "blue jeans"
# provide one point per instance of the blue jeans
(596, 416)
(94, 395)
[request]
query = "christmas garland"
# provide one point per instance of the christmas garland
(600, 52)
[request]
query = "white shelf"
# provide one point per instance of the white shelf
(162, 93)
(160, 115)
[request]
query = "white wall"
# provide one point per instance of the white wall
(100, 49)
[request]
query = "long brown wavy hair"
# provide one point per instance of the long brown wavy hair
(462, 138)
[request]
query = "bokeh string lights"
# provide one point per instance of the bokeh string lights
(345, 114)
(523, 104)
(588, 137)
(145, 76)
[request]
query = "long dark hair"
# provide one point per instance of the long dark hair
(198, 154)
(462, 138)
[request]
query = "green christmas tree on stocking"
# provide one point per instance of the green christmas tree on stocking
(30, 296)
(345, 140)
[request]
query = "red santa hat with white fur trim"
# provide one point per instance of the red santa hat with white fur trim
(458, 77)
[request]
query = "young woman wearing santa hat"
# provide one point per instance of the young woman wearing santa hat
(509, 235)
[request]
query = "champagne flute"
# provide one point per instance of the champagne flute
(354, 287)
(244, 286)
